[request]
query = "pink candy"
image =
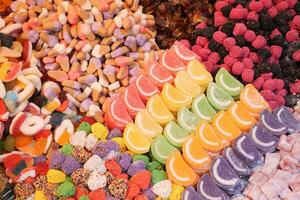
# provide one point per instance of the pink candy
(248, 75)
(201, 41)
(238, 13)
(239, 29)
(296, 56)
(259, 42)
(219, 36)
(292, 35)
(236, 52)
(282, 6)
(237, 68)
(229, 43)
(276, 51)
(250, 36)
(255, 6)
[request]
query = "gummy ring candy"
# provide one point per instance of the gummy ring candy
(32, 125)
(17, 121)
(9, 71)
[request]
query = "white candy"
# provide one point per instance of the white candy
(90, 142)
(114, 86)
(2, 90)
(163, 188)
(78, 138)
(32, 125)
(118, 21)
(95, 163)
(96, 51)
(96, 181)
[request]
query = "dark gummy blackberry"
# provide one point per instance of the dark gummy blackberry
(284, 29)
(276, 70)
(266, 21)
(286, 62)
(226, 10)
(38, 100)
(244, 3)
(277, 40)
(213, 45)
(282, 19)
(240, 40)
(253, 25)
(208, 32)
(297, 8)
(227, 28)
(56, 119)
(264, 53)
(291, 100)
(263, 67)
(288, 72)
(256, 73)
(6, 40)
(222, 51)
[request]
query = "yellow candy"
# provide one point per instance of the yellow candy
(176, 192)
(39, 195)
(55, 176)
(121, 142)
(4, 69)
(51, 106)
(99, 130)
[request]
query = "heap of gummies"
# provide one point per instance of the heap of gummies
(257, 41)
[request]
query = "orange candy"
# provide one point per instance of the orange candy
(179, 171)
(239, 115)
(23, 140)
(195, 155)
(224, 127)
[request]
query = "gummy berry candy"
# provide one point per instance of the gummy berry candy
(142, 179)
(6, 40)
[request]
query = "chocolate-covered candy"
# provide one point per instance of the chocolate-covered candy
(270, 122)
(208, 189)
(240, 168)
(263, 139)
(246, 150)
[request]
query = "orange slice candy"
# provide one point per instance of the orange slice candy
(224, 127)
(195, 155)
(239, 115)
(208, 137)
(179, 171)
(253, 100)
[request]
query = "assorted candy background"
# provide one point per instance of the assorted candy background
(112, 99)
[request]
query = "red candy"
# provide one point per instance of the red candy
(122, 176)
(250, 36)
(89, 120)
(237, 68)
(98, 194)
(291, 35)
(259, 42)
(229, 43)
(214, 58)
(142, 179)
(282, 92)
(296, 56)
(113, 167)
(248, 75)
(272, 11)
(270, 84)
(141, 197)
(258, 83)
(267, 3)
(220, 21)
(219, 36)
(219, 5)
(236, 52)
(248, 63)
(279, 83)
(276, 51)
(80, 192)
(11, 160)
(203, 53)
(238, 13)
(281, 6)
(295, 87)
(252, 16)
(268, 94)
(201, 41)
(229, 60)
(255, 6)
(133, 190)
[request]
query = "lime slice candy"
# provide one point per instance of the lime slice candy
(228, 83)
(187, 119)
(202, 108)
(161, 149)
(175, 134)
(217, 97)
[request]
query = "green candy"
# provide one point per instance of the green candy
(84, 126)
(84, 197)
(67, 149)
(141, 157)
(1, 146)
(9, 143)
(157, 176)
(66, 189)
(154, 166)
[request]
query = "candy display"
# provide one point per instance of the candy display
(91, 108)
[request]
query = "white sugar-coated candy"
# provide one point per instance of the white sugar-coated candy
(90, 142)
(163, 188)
(96, 181)
(78, 138)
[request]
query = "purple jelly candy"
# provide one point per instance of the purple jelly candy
(125, 161)
(207, 189)
(246, 150)
(190, 194)
(150, 194)
(270, 122)
(240, 168)
(225, 177)
(285, 116)
(263, 139)
(70, 165)
(135, 167)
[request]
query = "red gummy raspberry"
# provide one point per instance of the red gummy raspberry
(267, 76)
(267, 94)
(248, 63)
(113, 167)
(248, 75)
(219, 36)
(237, 68)
(98, 194)
(141, 197)
(246, 52)
(133, 190)
(250, 36)
(229, 42)
(142, 179)
(276, 51)
(291, 35)
(270, 84)
(229, 60)
(259, 42)
(219, 21)
(281, 6)
(209, 66)
(282, 92)
(219, 5)
(258, 83)
(274, 33)
(238, 13)
(239, 29)
(201, 25)
(279, 84)
(280, 100)
(80, 191)
(273, 104)
(254, 57)
(202, 52)
(296, 56)
(236, 52)
(252, 16)
(122, 176)
(292, 3)
(272, 11)
(255, 6)
(295, 87)
(214, 58)
(201, 41)
(266, 3)
(296, 22)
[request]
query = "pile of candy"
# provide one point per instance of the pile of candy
(257, 41)
(90, 108)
